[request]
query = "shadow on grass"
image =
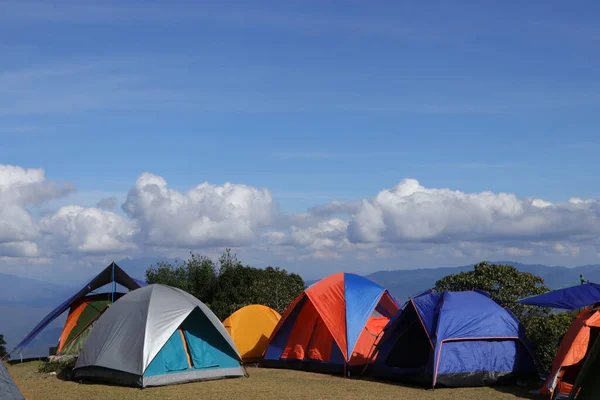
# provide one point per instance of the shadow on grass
(526, 390)
(530, 390)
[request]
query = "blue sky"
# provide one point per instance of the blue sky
(316, 101)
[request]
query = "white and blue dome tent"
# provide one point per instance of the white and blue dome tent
(158, 335)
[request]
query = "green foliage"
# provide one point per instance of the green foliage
(227, 285)
(506, 285)
(2, 348)
(63, 367)
(197, 275)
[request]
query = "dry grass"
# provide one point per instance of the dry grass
(263, 384)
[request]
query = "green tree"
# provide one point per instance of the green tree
(233, 289)
(506, 285)
(276, 288)
(228, 285)
(2, 348)
(197, 276)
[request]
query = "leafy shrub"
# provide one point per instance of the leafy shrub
(63, 366)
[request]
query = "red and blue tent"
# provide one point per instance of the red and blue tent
(332, 325)
(454, 339)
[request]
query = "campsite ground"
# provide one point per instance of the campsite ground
(263, 384)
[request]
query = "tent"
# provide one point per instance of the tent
(83, 313)
(568, 298)
(157, 335)
(332, 325)
(8, 387)
(587, 384)
(84, 310)
(250, 328)
(574, 349)
(453, 339)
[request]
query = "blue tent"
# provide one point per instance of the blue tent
(569, 298)
(454, 339)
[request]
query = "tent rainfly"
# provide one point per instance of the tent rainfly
(84, 310)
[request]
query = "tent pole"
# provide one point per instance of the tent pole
(113, 283)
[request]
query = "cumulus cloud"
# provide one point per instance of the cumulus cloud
(28, 186)
(88, 230)
(206, 215)
(406, 222)
(411, 212)
(19, 189)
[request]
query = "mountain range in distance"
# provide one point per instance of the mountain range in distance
(24, 301)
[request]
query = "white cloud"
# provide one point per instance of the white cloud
(406, 223)
(20, 188)
(204, 216)
(410, 212)
(23, 249)
(88, 230)
(540, 203)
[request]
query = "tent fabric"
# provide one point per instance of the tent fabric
(110, 274)
(453, 339)
(83, 313)
(587, 384)
(572, 352)
(250, 327)
(8, 387)
(138, 341)
(569, 298)
(333, 324)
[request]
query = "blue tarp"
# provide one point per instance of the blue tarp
(569, 298)
(110, 274)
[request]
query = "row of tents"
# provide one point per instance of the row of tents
(158, 335)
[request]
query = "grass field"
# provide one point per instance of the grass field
(263, 384)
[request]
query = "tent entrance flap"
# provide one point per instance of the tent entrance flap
(412, 348)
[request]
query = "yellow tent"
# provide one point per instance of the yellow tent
(250, 328)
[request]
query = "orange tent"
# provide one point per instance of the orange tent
(572, 353)
(333, 325)
(250, 328)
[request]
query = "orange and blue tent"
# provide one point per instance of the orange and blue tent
(332, 325)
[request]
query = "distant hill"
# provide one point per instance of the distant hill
(405, 283)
